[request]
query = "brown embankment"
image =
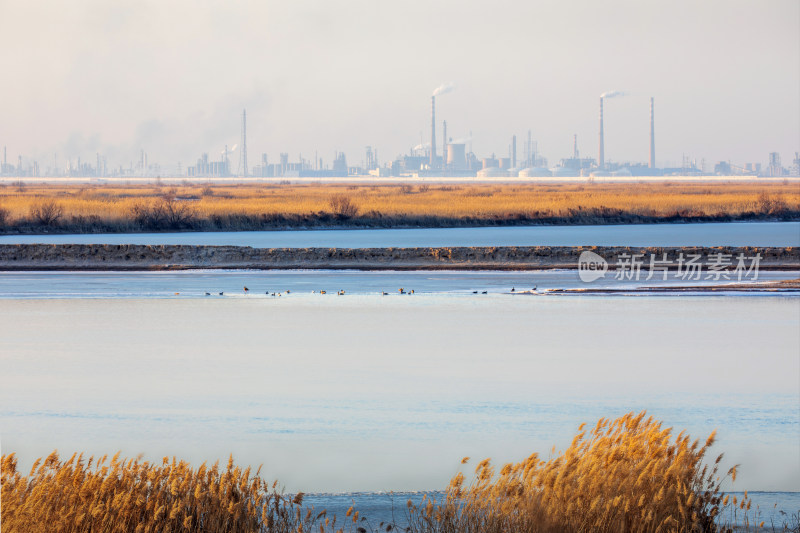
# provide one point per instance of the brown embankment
(176, 257)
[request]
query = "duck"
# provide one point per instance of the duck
(512, 289)
(401, 290)
(383, 293)
(221, 293)
(246, 289)
(208, 294)
(323, 292)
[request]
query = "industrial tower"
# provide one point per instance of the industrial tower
(433, 132)
(652, 136)
(243, 152)
(601, 148)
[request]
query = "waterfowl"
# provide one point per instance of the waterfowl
(208, 294)
(323, 292)
(246, 289)
(221, 293)
(512, 289)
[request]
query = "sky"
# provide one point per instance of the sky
(172, 77)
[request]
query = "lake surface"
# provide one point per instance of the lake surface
(368, 393)
(351, 397)
(307, 284)
(711, 234)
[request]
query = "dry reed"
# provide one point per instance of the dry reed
(209, 206)
(627, 475)
(134, 496)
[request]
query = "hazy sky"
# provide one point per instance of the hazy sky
(173, 76)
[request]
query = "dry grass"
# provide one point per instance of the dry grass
(626, 475)
(134, 496)
(115, 208)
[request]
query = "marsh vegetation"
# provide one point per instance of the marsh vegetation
(628, 474)
(209, 207)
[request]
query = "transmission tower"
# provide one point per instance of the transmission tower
(243, 152)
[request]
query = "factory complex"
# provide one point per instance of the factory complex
(431, 159)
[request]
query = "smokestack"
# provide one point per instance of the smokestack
(243, 153)
(601, 163)
(444, 144)
(514, 151)
(575, 146)
(433, 131)
(652, 136)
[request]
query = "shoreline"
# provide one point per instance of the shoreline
(131, 257)
(328, 221)
(787, 286)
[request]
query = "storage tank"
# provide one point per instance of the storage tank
(492, 172)
(457, 156)
(505, 162)
(534, 172)
(490, 162)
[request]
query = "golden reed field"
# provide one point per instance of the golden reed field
(625, 475)
(76, 208)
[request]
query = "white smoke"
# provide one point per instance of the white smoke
(613, 94)
(444, 89)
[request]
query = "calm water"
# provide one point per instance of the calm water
(388, 507)
(713, 234)
(309, 283)
(386, 393)
(371, 393)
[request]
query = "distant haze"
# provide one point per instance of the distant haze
(172, 77)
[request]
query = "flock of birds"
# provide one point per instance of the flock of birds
(341, 292)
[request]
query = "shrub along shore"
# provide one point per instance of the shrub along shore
(185, 257)
(147, 208)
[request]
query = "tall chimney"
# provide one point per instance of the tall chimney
(444, 145)
(514, 151)
(433, 131)
(652, 136)
(601, 163)
(575, 146)
(243, 152)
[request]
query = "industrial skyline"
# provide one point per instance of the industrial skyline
(171, 78)
(421, 160)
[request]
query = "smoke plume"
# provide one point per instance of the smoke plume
(444, 89)
(613, 94)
